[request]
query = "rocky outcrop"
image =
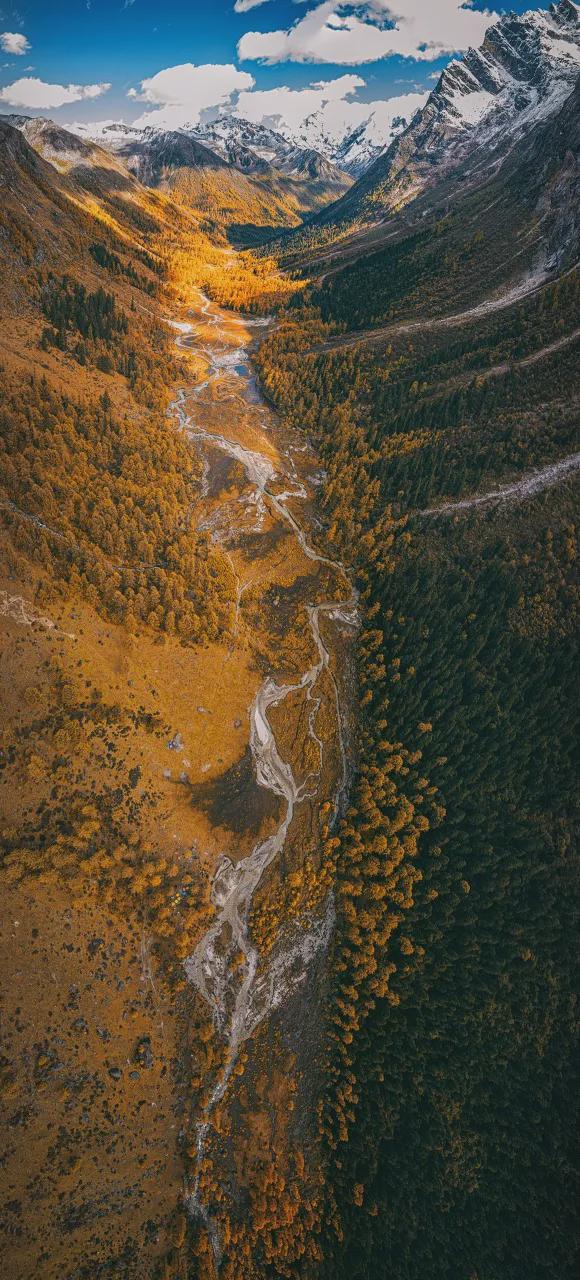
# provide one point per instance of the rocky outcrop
(518, 79)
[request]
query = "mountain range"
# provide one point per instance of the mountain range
(246, 143)
(253, 192)
(481, 105)
(257, 181)
(256, 178)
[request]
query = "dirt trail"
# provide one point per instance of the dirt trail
(529, 285)
(507, 366)
(527, 487)
(26, 614)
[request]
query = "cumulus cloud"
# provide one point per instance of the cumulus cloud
(242, 6)
(32, 92)
(348, 32)
(180, 94)
(325, 111)
(13, 42)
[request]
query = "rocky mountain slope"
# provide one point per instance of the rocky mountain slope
(228, 184)
(306, 176)
(84, 160)
(480, 108)
(240, 175)
(154, 158)
(457, 243)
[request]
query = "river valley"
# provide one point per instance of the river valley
(297, 721)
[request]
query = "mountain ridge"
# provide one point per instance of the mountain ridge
(522, 73)
(242, 190)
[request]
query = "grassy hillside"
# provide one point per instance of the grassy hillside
(110, 601)
(249, 209)
(128, 670)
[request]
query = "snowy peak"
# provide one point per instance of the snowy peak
(328, 135)
(482, 104)
(255, 148)
(363, 145)
(525, 59)
(232, 136)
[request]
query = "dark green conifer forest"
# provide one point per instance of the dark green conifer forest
(449, 1113)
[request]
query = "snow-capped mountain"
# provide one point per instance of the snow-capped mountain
(253, 147)
(231, 137)
(522, 74)
(361, 147)
(111, 134)
(525, 68)
(328, 133)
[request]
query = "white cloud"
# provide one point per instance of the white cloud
(13, 42)
(31, 92)
(91, 90)
(180, 94)
(348, 32)
(242, 6)
(324, 112)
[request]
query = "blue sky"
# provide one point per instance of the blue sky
(122, 43)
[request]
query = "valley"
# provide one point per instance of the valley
(274, 721)
(289, 472)
(239, 986)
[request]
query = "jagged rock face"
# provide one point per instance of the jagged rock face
(306, 163)
(558, 207)
(230, 136)
(156, 156)
(521, 75)
(256, 149)
(243, 158)
(526, 64)
(359, 149)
